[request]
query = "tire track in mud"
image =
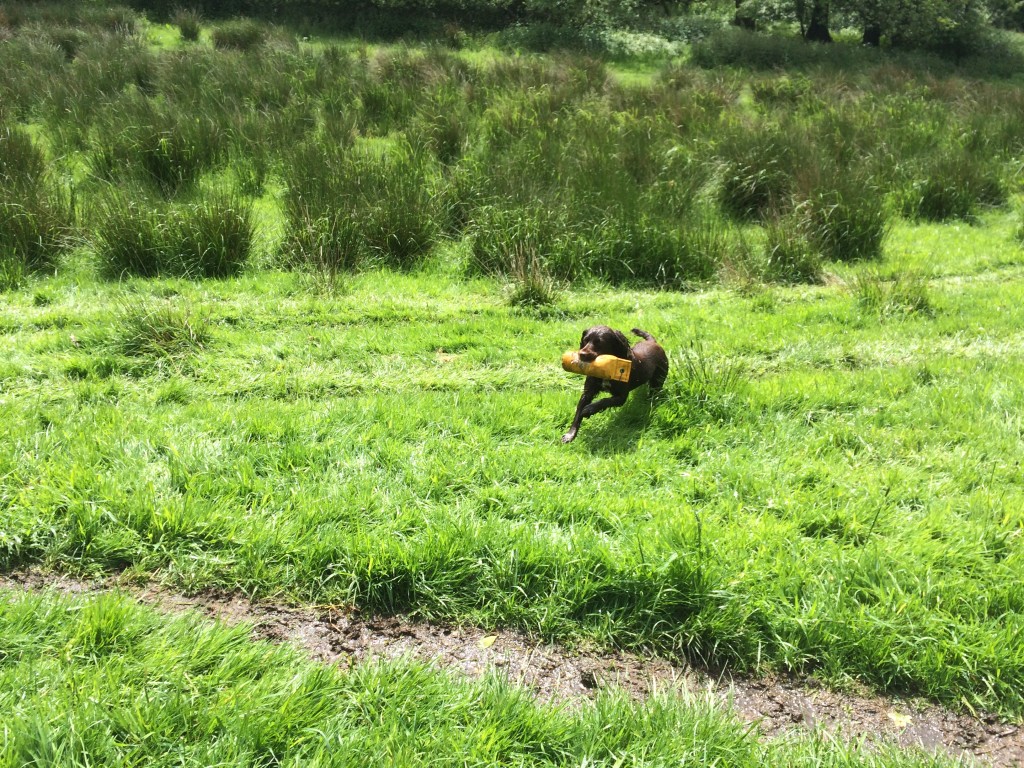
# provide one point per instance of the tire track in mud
(777, 705)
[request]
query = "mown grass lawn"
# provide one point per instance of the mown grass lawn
(830, 482)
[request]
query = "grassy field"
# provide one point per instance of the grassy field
(296, 334)
(829, 482)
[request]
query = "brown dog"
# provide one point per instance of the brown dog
(649, 366)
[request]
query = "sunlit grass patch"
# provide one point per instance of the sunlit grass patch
(210, 694)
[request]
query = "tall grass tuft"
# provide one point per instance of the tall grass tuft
(703, 387)
(899, 295)
(160, 329)
(954, 186)
(742, 48)
(189, 22)
(129, 235)
(22, 163)
(240, 35)
(757, 177)
(649, 250)
(789, 254)
(847, 218)
(36, 216)
(157, 142)
(214, 237)
(387, 192)
(531, 283)
(328, 246)
(145, 238)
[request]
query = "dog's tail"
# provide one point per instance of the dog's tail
(643, 334)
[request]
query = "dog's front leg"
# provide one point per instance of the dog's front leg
(609, 402)
(591, 389)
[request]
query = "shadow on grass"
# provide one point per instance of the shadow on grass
(619, 430)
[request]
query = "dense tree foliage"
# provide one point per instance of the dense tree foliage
(952, 28)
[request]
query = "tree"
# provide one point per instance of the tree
(952, 28)
(817, 21)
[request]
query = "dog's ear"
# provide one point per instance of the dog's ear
(622, 343)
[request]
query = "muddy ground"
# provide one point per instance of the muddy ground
(777, 705)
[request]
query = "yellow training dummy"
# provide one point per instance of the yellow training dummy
(602, 366)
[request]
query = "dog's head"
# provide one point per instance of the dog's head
(602, 340)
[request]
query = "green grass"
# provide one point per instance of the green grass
(827, 485)
(102, 681)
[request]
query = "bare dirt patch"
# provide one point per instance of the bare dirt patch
(777, 705)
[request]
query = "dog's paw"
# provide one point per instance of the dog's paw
(568, 437)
